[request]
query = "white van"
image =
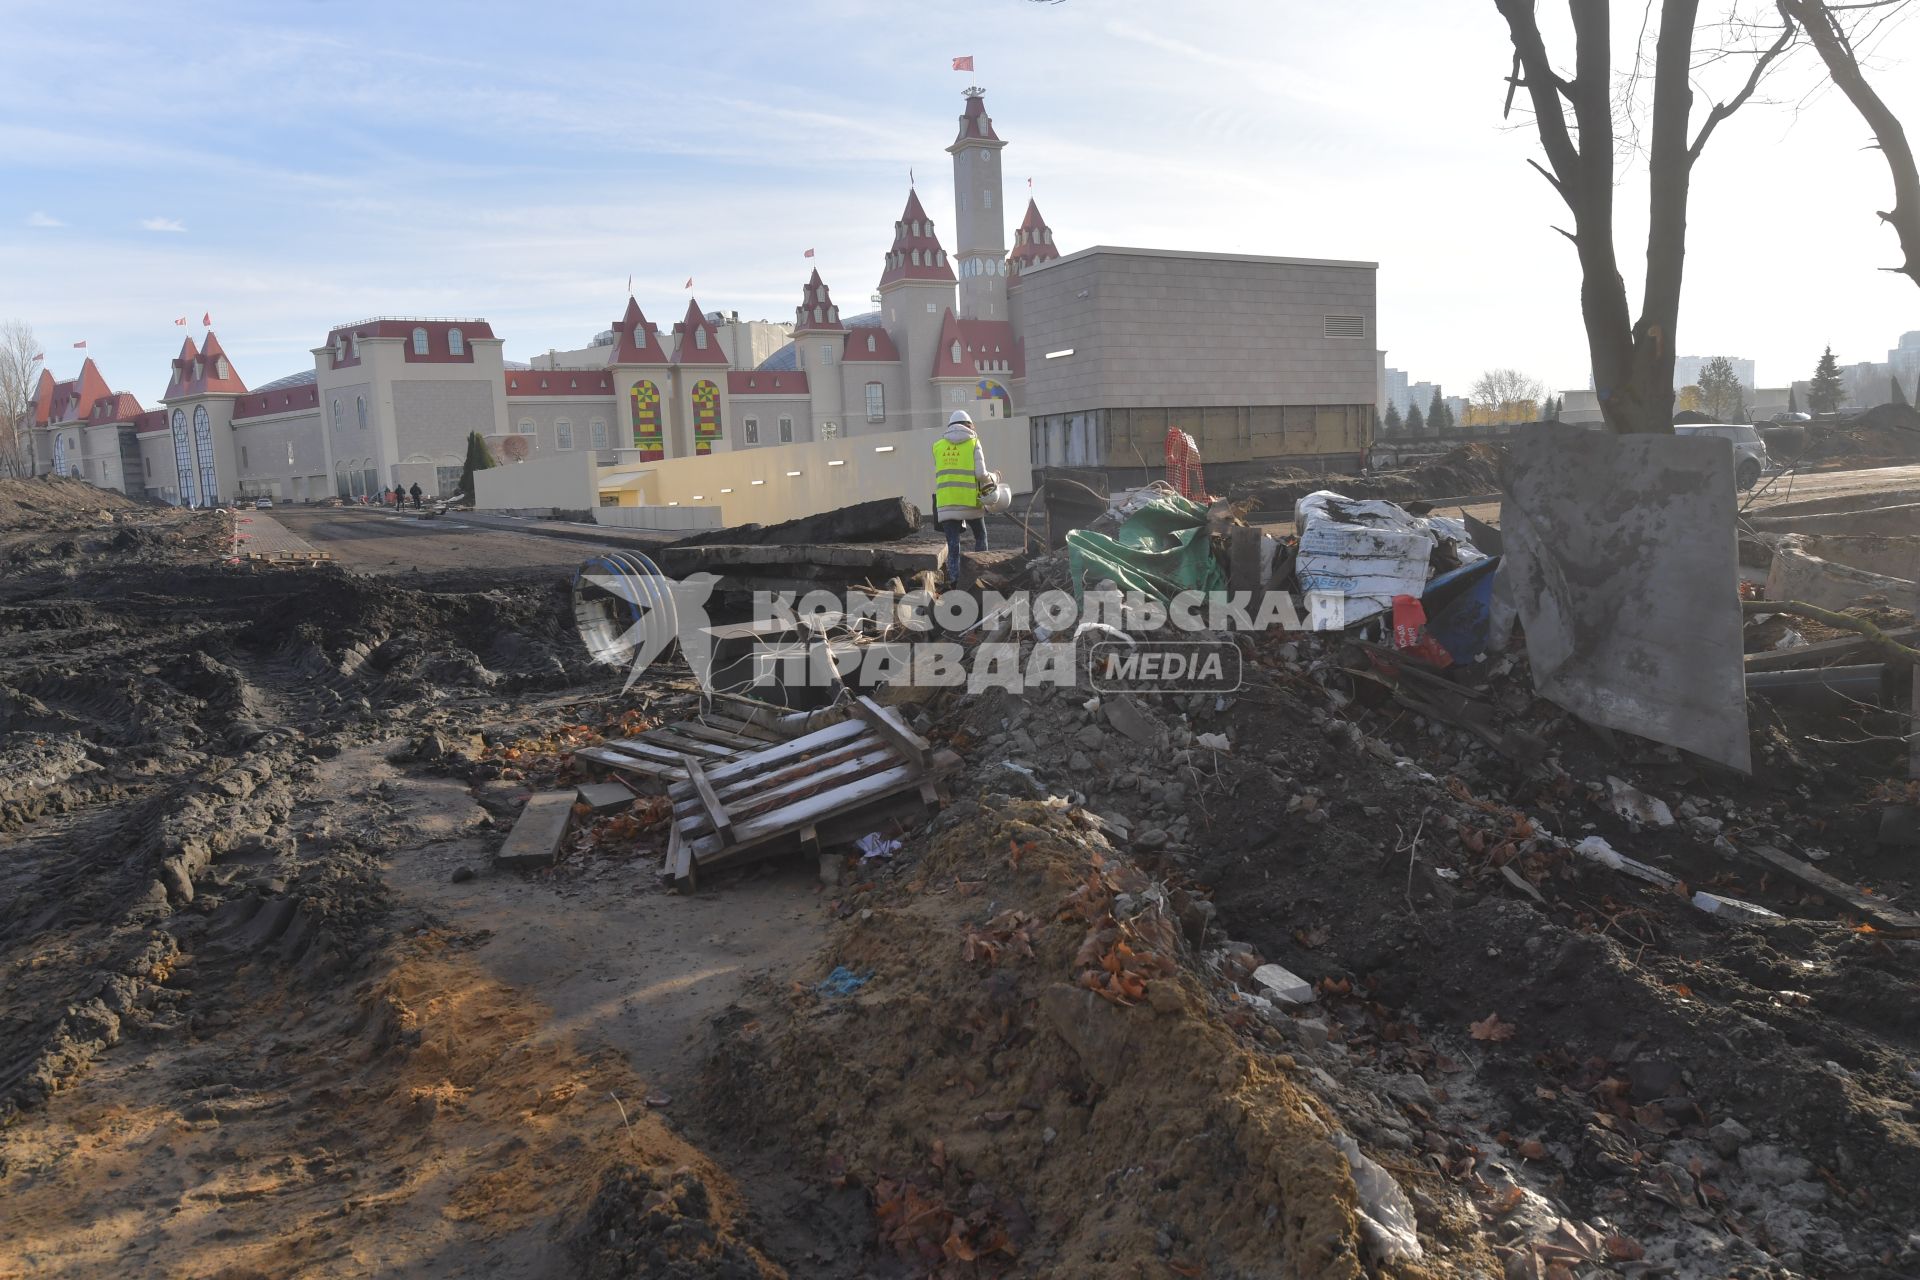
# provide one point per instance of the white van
(1750, 460)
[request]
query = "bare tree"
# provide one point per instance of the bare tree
(1497, 388)
(1632, 358)
(1837, 41)
(20, 362)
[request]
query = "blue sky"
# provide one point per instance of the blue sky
(293, 165)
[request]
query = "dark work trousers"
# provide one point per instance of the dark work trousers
(952, 529)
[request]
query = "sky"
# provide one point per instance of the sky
(292, 166)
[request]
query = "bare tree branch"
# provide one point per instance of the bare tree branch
(1721, 110)
(20, 365)
(1843, 64)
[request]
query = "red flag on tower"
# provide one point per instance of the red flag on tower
(206, 319)
(688, 284)
(963, 64)
(81, 343)
(807, 254)
(41, 355)
(181, 320)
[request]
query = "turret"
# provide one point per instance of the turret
(980, 226)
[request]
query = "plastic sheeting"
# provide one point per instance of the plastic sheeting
(1621, 563)
(1356, 555)
(1161, 550)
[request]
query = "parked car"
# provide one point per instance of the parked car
(263, 504)
(1750, 460)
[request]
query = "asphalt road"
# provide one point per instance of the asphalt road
(375, 542)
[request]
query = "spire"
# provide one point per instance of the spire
(916, 253)
(199, 371)
(1032, 243)
(699, 341)
(635, 341)
(975, 124)
(816, 309)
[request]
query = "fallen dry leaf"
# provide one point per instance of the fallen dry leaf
(1491, 1028)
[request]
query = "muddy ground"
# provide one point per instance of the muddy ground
(268, 1010)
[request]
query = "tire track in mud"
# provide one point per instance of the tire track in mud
(167, 722)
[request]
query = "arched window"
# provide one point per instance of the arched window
(562, 434)
(360, 409)
(456, 343)
(221, 368)
(700, 338)
(419, 342)
(955, 349)
(339, 420)
(203, 449)
(597, 432)
(526, 427)
(183, 459)
(871, 344)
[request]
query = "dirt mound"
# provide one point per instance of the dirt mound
(63, 502)
(1018, 1028)
(1468, 470)
(648, 1224)
(1887, 434)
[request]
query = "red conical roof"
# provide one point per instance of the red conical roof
(198, 372)
(975, 123)
(916, 253)
(816, 309)
(636, 341)
(688, 349)
(1032, 243)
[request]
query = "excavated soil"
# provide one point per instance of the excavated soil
(1470, 469)
(266, 1010)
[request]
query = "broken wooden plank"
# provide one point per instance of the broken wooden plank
(687, 746)
(906, 741)
(826, 804)
(688, 812)
(604, 797)
(683, 793)
(631, 764)
(535, 838)
(716, 812)
(1823, 652)
(1882, 915)
(645, 750)
(760, 761)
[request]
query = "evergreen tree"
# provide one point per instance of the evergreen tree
(1825, 394)
(1722, 398)
(1438, 419)
(479, 458)
(1793, 400)
(1393, 419)
(1415, 425)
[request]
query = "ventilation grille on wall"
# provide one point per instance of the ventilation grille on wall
(1345, 326)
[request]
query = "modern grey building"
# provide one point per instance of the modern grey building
(1258, 358)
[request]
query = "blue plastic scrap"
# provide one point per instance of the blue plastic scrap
(841, 982)
(1458, 605)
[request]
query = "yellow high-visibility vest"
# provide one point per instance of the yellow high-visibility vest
(954, 481)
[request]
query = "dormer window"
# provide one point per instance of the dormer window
(456, 343)
(197, 368)
(700, 339)
(916, 257)
(871, 344)
(956, 353)
(419, 342)
(221, 368)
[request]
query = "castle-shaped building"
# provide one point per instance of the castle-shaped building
(391, 400)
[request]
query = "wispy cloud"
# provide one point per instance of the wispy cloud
(39, 219)
(163, 224)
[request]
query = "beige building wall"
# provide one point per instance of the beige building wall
(284, 456)
(560, 481)
(767, 412)
(894, 399)
(546, 413)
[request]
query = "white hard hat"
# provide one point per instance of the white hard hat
(960, 415)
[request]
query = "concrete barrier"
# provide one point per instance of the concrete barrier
(1800, 572)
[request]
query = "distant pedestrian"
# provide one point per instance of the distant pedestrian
(416, 495)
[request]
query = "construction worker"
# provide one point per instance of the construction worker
(959, 469)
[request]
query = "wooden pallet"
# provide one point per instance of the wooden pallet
(834, 784)
(660, 753)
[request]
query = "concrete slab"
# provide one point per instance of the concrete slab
(604, 797)
(535, 839)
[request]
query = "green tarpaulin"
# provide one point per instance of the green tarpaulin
(1162, 549)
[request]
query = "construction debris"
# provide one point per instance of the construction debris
(535, 839)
